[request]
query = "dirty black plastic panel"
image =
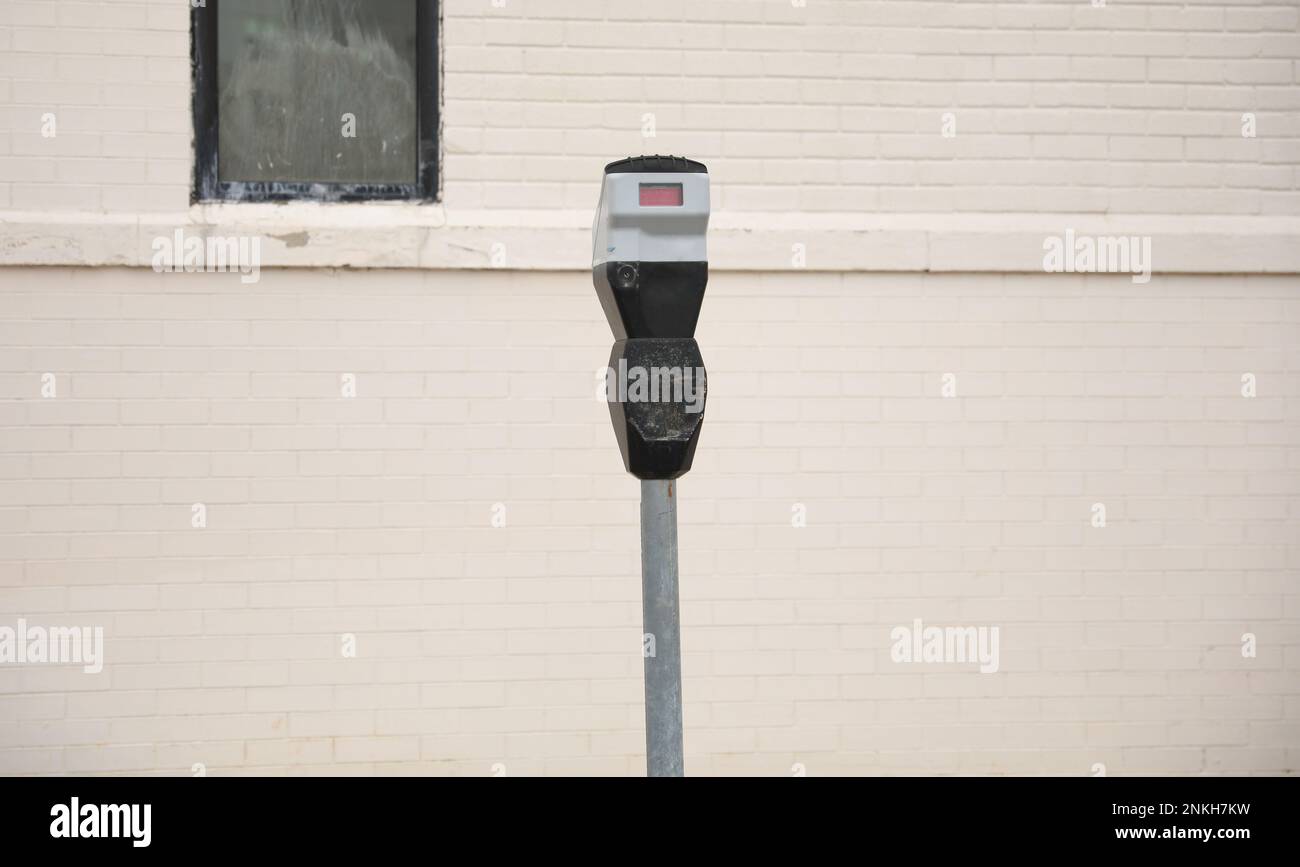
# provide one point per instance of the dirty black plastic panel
(656, 164)
(651, 299)
(658, 439)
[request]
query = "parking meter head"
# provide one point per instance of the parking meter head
(649, 249)
(656, 389)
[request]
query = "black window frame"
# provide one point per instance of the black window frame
(209, 188)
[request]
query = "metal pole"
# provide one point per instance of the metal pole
(662, 647)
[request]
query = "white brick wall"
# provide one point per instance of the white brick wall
(520, 645)
(1130, 108)
(1059, 106)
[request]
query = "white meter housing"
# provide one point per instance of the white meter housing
(652, 209)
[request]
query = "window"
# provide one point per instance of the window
(326, 100)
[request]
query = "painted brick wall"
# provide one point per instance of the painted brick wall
(832, 105)
(519, 645)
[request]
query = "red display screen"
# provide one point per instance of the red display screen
(661, 195)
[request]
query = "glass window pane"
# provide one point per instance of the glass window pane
(289, 71)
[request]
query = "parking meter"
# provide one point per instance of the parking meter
(650, 266)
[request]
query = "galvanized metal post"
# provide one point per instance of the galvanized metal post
(662, 646)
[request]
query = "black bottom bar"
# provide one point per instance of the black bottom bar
(1222, 818)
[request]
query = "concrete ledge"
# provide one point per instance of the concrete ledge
(407, 236)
